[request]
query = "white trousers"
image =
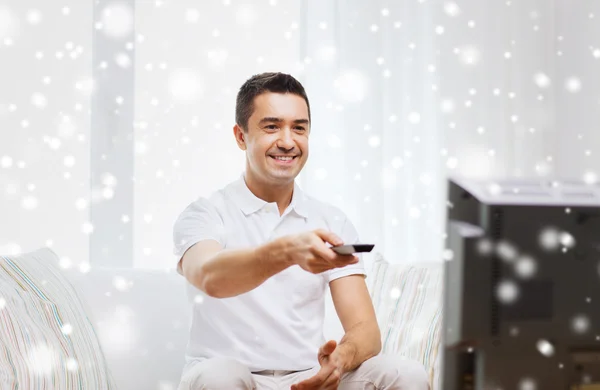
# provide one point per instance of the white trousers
(382, 372)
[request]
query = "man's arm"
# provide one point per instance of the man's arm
(224, 273)
(362, 338)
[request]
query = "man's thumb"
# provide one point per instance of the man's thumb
(329, 347)
(329, 237)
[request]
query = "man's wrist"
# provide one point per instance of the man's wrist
(283, 251)
(346, 354)
(275, 252)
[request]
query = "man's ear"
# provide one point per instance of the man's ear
(240, 136)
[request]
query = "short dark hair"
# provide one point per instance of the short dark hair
(275, 82)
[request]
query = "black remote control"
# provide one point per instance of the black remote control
(350, 249)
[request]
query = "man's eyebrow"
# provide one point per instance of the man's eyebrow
(274, 119)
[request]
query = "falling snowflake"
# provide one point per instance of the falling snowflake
(545, 347)
(580, 324)
(452, 162)
(549, 238)
(39, 100)
(469, 55)
(507, 292)
(506, 251)
(84, 268)
(72, 364)
(485, 247)
(542, 80)
(122, 284)
(351, 86)
(29, 202)
(374, 141)
(326, 53)
(448, 254)
(334, 141)
(527, 384)
(388, 178)
(397, 162)
(573, 84)
(64, 262)
(42, 360)
(246, 15)
(117, 20)
(217, 57)
(192, 15)
(9, 24)
(452, 9)
(87, 228)
(525, 267)
(590, 178)
(185, 85)
(67, 329)
(6, 162)
(34, 17)
(123, 60)
(414, 118)
(118, 332)
(567, 240)
(494, 189)
(109, 180)
(320, 173)
(165, 385)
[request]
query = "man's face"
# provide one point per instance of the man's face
(276, 141)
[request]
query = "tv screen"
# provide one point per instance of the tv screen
(522, 291)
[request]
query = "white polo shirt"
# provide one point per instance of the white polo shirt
(279, 324)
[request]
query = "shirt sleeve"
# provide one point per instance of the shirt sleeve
(199, 221)
(349, 235)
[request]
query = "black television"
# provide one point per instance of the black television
(522, 285)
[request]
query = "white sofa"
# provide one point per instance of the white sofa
(141, 319)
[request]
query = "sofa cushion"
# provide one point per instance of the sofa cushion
(47, 340)
(142, 318)
(408, 304)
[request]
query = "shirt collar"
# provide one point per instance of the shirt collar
(250, 203)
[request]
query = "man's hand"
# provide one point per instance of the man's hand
(310, 252)
(328, 377)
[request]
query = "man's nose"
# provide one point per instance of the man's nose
(286, 140)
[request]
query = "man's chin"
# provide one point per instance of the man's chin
(283, 176)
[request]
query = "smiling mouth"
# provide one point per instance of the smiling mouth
(283, 159)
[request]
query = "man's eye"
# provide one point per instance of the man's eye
(300, 128)
(271, 127)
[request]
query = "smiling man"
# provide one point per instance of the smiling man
(259, 253)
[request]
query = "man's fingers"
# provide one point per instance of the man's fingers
(347, 260)
(329, 237)
(327, 348)
(332, 381)
(317, 380)
(344, 260)
(325, 253)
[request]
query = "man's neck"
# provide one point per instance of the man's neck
(282, 195)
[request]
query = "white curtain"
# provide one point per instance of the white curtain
(405, 93)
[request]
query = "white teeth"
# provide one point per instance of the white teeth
(283, 158)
